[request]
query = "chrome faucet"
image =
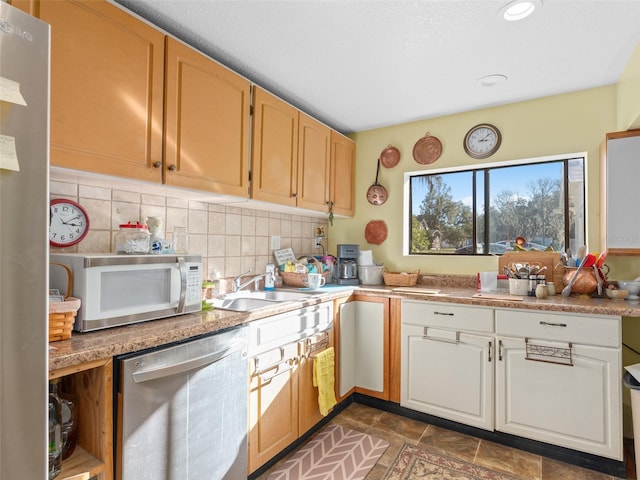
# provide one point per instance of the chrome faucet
(237, 285)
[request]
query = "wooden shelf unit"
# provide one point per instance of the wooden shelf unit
(91, 385)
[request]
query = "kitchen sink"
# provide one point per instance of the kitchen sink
(241, 304)
(273, 295)
(245, 301)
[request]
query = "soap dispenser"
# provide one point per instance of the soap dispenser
(269, 278)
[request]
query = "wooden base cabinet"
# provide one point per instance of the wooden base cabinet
(447, 371)
(91, 386)
(273, 404)
(283, 403)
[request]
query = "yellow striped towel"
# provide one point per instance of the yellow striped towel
(323, 378)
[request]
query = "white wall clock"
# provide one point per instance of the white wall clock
(482, 141)
(68, 223)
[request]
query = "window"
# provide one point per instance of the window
(482, 211)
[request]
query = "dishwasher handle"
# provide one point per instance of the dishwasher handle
(185, 366)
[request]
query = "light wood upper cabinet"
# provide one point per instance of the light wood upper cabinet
(314, 162)
(275, 150)
(107, 71)
(298, 161)
(343, 174)
(206, 123)
(620, 168)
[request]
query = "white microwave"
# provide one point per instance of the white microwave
(123, 289)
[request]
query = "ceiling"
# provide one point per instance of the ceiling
(363, 64)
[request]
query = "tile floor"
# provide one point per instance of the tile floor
(397, 430)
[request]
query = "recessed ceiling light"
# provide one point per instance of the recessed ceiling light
(491, 80)
(519, 9)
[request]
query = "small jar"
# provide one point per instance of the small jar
(132, 239)
(541, 291)
(551, 289)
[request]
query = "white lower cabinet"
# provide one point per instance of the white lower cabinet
(565, 393)
(448, 372)
(363, 328)
(557, 376)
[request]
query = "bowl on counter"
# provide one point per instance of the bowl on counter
(370, 274)
(633, 287)
(616, 294)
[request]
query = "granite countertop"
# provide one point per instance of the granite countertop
(104, 344)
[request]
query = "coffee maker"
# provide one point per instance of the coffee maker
(347, 256)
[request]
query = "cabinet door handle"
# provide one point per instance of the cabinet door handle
(550, 324)
(157, 164)
(490, 349)
(500, 350)
(172, 168)
(448, 314)
(441, 339)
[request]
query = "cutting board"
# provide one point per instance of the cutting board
(547, 259)
(426, 291)
(496, 296)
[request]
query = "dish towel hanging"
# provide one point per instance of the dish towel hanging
(323, 378)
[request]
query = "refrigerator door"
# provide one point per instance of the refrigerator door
(24, 249)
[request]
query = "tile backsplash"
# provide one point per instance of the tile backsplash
(231, 239)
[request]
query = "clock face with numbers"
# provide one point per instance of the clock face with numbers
(68, 223)
(482, 141)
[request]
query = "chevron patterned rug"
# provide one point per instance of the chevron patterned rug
(336, 453)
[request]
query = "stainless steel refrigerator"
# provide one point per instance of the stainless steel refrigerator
(24, 246)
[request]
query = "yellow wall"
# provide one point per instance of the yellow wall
(568, 123)
(629, 94)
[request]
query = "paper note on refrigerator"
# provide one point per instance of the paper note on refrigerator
(8, 154)
(10, 92)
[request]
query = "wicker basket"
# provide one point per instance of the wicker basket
(400, 279)
(293, 279)
(62, 315)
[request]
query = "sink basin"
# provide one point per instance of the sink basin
(241, 304)
(280, 295)
(273, 295)
(245, 301)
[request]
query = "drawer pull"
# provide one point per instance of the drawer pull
(550, 324)
(442, 339)
(448, 314)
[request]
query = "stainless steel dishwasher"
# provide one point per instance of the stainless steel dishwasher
(182, 411)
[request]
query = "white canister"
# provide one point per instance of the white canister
(518, 286)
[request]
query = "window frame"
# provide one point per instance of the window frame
(406, 221)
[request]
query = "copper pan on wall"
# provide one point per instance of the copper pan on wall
(427, 150)
(377, 194)
(390, 156)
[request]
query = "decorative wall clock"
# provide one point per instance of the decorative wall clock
(482, 141)
(68, 222)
